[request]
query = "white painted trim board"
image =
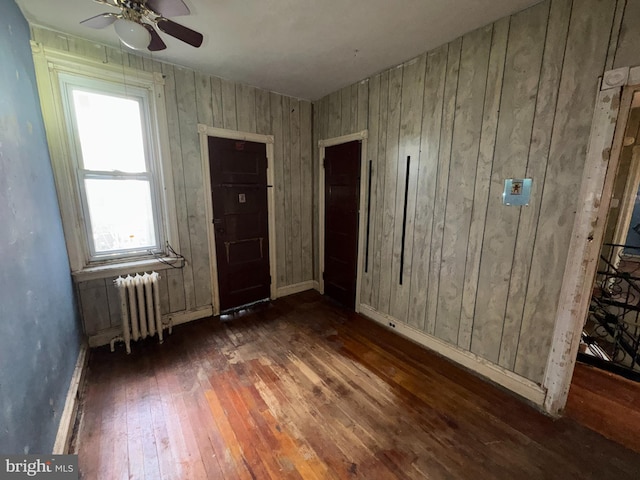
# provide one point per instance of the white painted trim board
(296, 288)
(70, 410)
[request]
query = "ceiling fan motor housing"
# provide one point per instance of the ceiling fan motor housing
(134, 5)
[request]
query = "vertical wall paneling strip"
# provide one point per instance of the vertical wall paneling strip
(115, 56)
(246, 108)
(216, 102)
(204, 112)
(426, 185)
(295, 187)
(373, 102)
(353, 117)
(175, 286)
(557, 29)
(164, 294)
(381, 166)
(517, 109)
(345, 108)
(229, 112)
(278, 149)
(113, 301)
(288, 210)
(584, 62)
(409, 157)
(442, 184)
(195, 195)
(615, 34)
(334, 124)
(94, 305)
(204, 100)
(87, 49)
(483, 179)
(363, 107)
(472, 78)
(306, 169)
(390, 191)
(134, 61)
(151, 65)
(627, 53)
(186, 286)
(263, 113)
(52, 39)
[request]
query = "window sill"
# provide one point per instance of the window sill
(125, 268)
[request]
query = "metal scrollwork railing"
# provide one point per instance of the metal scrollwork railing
(612, 330)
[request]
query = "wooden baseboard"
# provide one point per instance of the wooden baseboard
(297, 288)
(70, 410)
(511, 381)
(104, 337)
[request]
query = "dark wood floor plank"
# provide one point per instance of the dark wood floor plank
(607, 403)
(303, 389)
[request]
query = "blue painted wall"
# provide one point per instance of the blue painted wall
(39, 326)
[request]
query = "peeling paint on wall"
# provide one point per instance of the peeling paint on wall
(40, 329)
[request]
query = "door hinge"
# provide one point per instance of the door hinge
(324, 160)
(269, 279)
(323, 276)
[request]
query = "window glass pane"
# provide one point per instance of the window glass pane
(110, 131)
(121, 214)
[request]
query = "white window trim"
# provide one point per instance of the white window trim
(49, 63)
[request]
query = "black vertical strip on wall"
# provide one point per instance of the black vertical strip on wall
(366, 250)
(404, 217)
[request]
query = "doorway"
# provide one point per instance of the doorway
(341, 203)
(598, 315)
(238, 179)
(610, 337)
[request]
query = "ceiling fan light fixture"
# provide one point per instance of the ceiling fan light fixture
(132, 34)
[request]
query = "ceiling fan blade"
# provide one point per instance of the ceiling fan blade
(180, 32)
(168, 8)
(100, 21)
(156, 42)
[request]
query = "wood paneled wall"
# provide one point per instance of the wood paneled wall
(192, 98)
(511, 100)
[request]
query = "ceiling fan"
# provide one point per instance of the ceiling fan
(134, 23)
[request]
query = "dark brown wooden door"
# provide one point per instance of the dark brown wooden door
(342, 198)
(239, 194)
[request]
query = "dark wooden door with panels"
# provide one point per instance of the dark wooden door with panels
(238, 172)
(342, 200)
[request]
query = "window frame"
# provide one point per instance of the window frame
(52, 67)
(68, 84)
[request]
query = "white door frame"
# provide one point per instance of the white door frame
(605, 144)
(205, 132)
(322, 145)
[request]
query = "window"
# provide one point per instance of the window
(114, 166)
(107, 132)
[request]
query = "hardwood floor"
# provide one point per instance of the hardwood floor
(606, 403)
(302, 389)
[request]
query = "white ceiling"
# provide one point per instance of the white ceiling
(302, 48)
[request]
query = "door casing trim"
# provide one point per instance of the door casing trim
(322, 145)
(206, 131)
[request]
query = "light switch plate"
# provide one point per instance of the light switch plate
(517, 191)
